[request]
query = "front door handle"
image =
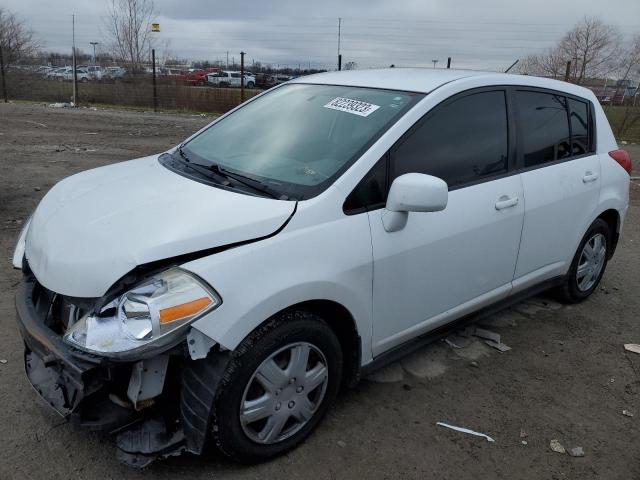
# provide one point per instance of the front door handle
(589, 177)
(506, 201)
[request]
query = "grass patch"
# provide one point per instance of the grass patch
(625, 122)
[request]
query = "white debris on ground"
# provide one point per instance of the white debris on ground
(465, 430)
(556, 446)
(61, 105)
(632, 347)
(576, 452)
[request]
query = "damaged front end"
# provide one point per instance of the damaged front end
(157, 405)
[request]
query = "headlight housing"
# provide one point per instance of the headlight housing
(145, 318)
(18, 253)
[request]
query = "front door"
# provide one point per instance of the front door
(443, 264)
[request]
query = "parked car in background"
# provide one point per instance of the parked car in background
(82, 75)
(113, 73)
(195, 77)
(95, 72)
(58, 73)
(170, 72)
(264, 80)
(227, 78)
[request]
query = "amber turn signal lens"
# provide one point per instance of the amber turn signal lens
(183, 310)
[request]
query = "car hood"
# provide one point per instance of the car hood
(94, 227)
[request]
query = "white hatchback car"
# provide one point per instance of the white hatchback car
(227, 288)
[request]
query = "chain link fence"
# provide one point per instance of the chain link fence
(128, 91)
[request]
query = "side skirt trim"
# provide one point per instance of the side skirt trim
(414, 344)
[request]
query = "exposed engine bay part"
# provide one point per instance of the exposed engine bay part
(199, 344)
(147, 380)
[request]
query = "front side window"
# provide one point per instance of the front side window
(461, 141)
(298, 138)
(544, 127)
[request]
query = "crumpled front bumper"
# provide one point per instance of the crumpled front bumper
(91, 391)
(70, 381)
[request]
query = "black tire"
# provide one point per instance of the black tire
(569, 291)
(287, 328)
(250, 85)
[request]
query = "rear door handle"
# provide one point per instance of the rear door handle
(506, 201)
(589, 177)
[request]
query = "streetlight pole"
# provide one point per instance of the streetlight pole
(94, 50)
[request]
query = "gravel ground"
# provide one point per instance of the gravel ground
(567, 376)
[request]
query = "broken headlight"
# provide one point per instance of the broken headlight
(146, 317)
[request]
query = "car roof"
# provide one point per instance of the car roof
(424, 80)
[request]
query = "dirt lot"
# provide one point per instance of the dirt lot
(567, 376)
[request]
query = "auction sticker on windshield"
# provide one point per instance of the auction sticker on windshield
(356, 107)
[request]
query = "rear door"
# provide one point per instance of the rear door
(443, 264)
(561, 178)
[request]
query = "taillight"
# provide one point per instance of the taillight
(623, 158)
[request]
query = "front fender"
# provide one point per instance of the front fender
(328, 261)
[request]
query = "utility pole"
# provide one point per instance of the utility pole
(434, 63)
(75, 77)
(448, 62)
(155, 28)
(227, 59)
(94, 50)
(155, 88)
(339, 34)
(4, 84)
(241, 77)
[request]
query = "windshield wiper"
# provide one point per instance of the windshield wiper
(252, 183)
(249, 182)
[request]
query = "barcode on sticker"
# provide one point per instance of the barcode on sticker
(356, 107)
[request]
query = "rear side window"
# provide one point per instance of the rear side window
(544, 127)
(461, 141)
(579, 127)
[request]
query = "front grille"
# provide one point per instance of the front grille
(57, 311)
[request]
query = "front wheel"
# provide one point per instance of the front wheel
(588, 265)
(251, 85)
(282, 379)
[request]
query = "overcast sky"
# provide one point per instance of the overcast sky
(481, 34)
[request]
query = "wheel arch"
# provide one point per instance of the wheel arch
(612, 217)
(345, 328)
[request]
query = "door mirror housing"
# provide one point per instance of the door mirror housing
(413, 192)
(417, 192)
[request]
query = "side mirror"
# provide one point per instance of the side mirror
(413, 192)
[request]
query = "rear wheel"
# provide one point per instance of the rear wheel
(250, 85)
(588, 265)
(279, 385)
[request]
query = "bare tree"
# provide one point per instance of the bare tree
(128, 24)
(591, 46)
(16, 40)
(551, 63)
(351, 66)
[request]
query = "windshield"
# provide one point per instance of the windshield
(298, 138)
